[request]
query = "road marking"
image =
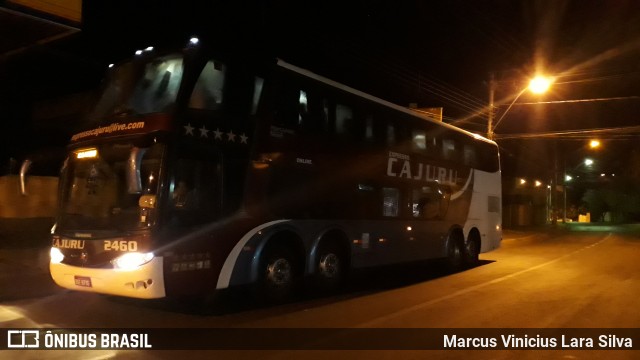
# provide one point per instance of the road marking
(402, 312)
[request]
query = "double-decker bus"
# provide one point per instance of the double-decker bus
(204, 171)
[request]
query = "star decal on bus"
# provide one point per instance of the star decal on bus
(188, 129)
(231, 136)
(204, 132)
(224, 136)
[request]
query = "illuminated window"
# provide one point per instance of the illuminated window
(419, 140)
(303, 106)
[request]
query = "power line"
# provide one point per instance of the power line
(617, 133)
(580, 100)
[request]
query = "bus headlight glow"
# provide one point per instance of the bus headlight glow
(133, 260)
(56, 255)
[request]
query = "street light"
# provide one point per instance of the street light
(537, 85)
(567, 178)
(540, 84)
(594, 144)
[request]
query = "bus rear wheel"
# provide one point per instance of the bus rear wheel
(331, 267)
(471, 253)
(278, 274)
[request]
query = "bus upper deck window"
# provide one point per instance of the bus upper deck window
(257, 92)
(344, 115)
(208, 91)
(419, 140)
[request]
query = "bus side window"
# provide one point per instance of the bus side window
(450, 149)
(344, 119)
(390, 202)
(487, 156)
(313, 113)
(257, 94)
(391, 134)
(368, 206)
(194, 192)
(419, 141)
(430, 202)
(291, 101)
(470, 155)
(208, 90)
(368, 129)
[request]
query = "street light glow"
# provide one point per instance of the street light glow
(588, 162)
(539, 84)
(594, 144)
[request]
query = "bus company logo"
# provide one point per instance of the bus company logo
(115, 127)
(23, 339)
(68, 244)
(400, 165)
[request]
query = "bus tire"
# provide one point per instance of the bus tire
(471, 252)
(330, 267)
(455, 250)
(279, 273)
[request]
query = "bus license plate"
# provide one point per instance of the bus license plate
(83, 281)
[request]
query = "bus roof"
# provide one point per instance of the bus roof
(386, 103)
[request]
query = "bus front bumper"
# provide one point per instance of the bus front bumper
(144, 282)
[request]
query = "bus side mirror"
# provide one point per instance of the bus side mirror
(134, 182)
(23, 176)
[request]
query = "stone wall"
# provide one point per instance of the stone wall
(40, 201)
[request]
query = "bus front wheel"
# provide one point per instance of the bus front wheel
(455, 252)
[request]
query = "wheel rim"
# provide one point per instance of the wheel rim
(279, 272)
(455, 255)
(330, 265)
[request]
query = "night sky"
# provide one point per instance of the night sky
(433, 53)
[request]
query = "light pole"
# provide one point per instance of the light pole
(537, 85)
(593, 144)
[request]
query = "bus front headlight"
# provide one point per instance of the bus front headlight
(56, 255)
(132, 260)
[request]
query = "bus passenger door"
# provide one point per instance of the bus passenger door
(429, 205)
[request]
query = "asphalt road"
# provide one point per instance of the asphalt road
(537, 279)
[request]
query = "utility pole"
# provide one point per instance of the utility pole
(492, 90)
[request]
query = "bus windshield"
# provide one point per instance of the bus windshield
(141, 87)
(95, 193)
